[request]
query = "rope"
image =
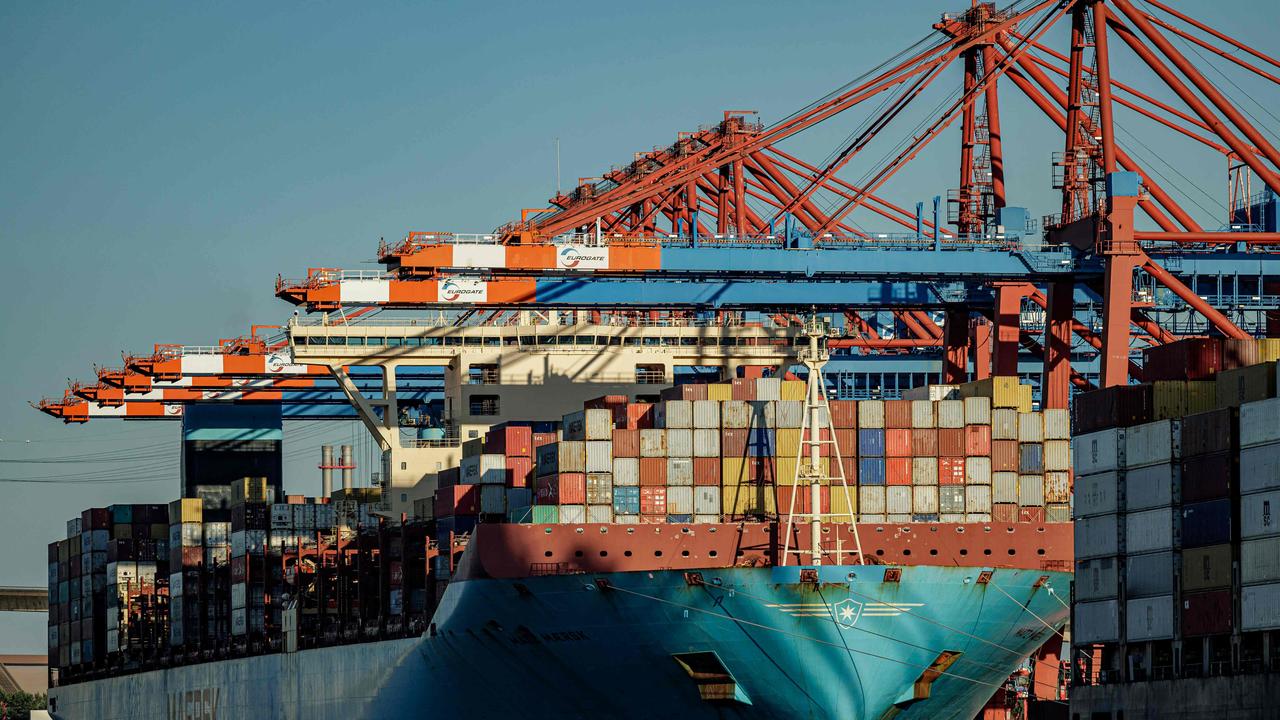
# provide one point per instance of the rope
(1029, 610)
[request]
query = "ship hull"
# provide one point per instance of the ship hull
(936, 643)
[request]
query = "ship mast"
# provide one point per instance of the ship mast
(816, 430)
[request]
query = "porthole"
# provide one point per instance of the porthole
(934, 551)
(627, 553)
(657, 553)
(577, 553)
(547, 553)
(604, 553)
(1039, 551)
(964, 551)
(880, 552)
(906, 551)
(684, 553)
(713, 553)
(987, 551)
(1013, 551)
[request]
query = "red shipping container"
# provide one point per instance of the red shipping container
(456, 500)
(1208, 432)
(573, 488)
(653, 500)
(951, 442)
(1239, 353)
(626, 443)
(639, 417)
(897, 471)
(897, 413)
(540, 439)
(653, 471)
(762, 470)
(733, 442)
(95, 519)
(847, 441)
(606, 402)
(706, 471)
(977, 440)
(519, 472)
(654, 519)
(692, 391)
(743, 389)
(951, 470)
(850, 464)
(1004, 456)
(1031, 515)
(924, 443)
(509, 440)
(897, 443)
(1189, 359)
(1004, 512)
(844, 414)
(802, 499)
(1207, 613)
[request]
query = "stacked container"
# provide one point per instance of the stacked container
(1260, 515)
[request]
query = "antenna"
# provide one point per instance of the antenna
(557, 166)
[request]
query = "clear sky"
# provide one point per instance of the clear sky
(161, 162)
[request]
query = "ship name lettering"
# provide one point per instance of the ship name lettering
(199, 704)
(564, 636)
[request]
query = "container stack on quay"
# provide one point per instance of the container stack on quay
(728, 451)
(1177, 549)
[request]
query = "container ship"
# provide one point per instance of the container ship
(740, 549)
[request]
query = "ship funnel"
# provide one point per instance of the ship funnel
(326, 470)
(348, 464)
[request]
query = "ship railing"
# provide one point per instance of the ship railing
(778, 240)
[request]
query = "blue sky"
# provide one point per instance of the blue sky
(163, 161)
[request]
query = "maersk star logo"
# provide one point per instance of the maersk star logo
(847, 612)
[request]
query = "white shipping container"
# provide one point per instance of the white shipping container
(706, 500)
(932, 392)
(897, 499)
(599, 513)
(706, 518)
(1097, 536)
(239, 621)
(1260, 422)
(1096, 622)
(1004, 487)
(951, 413)
(924, 499)
(679, 472)
(1152, 443)
(653, 443)
(1260, 514)
(679, 414)
(1057, 455)
(871, 499)
(977, 470)
(1097, 578)
(977, 498)
(1260, 560)
(951, 499)
(680, 443)
(924, 471)
(574, 426)
(974, 517)
(1260, 607)
(871, 414)
(1260, 468)
(680, 499)
(764, 415)
(922, 414)
(1004, 424)
(493, 499)
(706, 443)
(493, 469)
(1148, 531)
(573, 514)
(1057, 424)
(599, 456)
(281, 517)
(898, 518)
(790, 414)
(1031, 490)
(1057, 487)
(951, 517)
(1149, 574)
(706, 414)
(599, 424)
(573, 454)
(626, 471)
(735, 414)
(626, 519)
(1149, 618)
(1030, 427)
(1148, 487)
(977, 411)
(238, 593)
(769, 389)
(1098, 452)
(1096, 494)
(873, 518)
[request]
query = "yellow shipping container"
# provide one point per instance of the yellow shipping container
(1004, 391)
(749, 500)
(733, 471)
(787, 469)
(1246, 384)
(1169, 399)
(788, 442)
(1025, 402)
(1269, 350)
(841, 504)
(793, 389)
(186, 510)
(720, 392)
(1202, 396)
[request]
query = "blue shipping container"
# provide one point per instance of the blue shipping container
(626, 500)
(121, 514)
(924, 517)
(1031, 458)
(871, 443)
(871, 471)
(1206, 523)
(680, 518)
(761, 442)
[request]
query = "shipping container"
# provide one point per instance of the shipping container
(680, 443)
(924, 499)
(1096, 622)
(626, 443)
(706, 501)
(653, 443)
(735, 414)
(897, 442)
(1152, 443)
(1149, 531)
(871, 443)
(1030, 458)
(951, 442)
(1208, 432)
(1149, 487)
(1260, 423)
(871, 471)
(1057, 487)
(790, 414)
(1057, 455)
(951, 498)
(977, 470)
(1030, 427)
(1206, 523)
(676, 414)
(1149, 618)
(977, 411)
(1119, 406)
(1206, 568)
(951, 470)
(922, 414)
(898, 499)
(768, 389)
(897, 414)
(653, 471)
(599, 456)
(1097, 578)
(626, 500)
(1260, 514)
(1243, 385)
(1208, 477)
(1004, 487)
(680, 500)
(1031, 490)
(706, 415)
(1260, 468)
(706, 471)
(977, 499)
(1187, 359)
(653, 500)
(1207, 613)
(1096, 494)
(1149, 574)
(1005, 456)
(924, 443)
(871, 499)
(871, 414)
(950, 414)
(898, 471)
(924, 471)
(1260, 607)
(1004, 424)
(680, 472)
(1097, 536)
(626, 471)
(1098, 452)
(1260, 560)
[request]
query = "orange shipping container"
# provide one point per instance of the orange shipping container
(898, 471)
(743, 389)
(626, 443)
(847, 441)
(1004, 456)
(897, 443)
(639, 417)
(924, 442)
(653, 500)
(706, 471)
(844, 414)
(951, 442)
(802, 498)
(653, 472)
(951, 470)
(977, 440)
(519, 471)
(897, 413)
